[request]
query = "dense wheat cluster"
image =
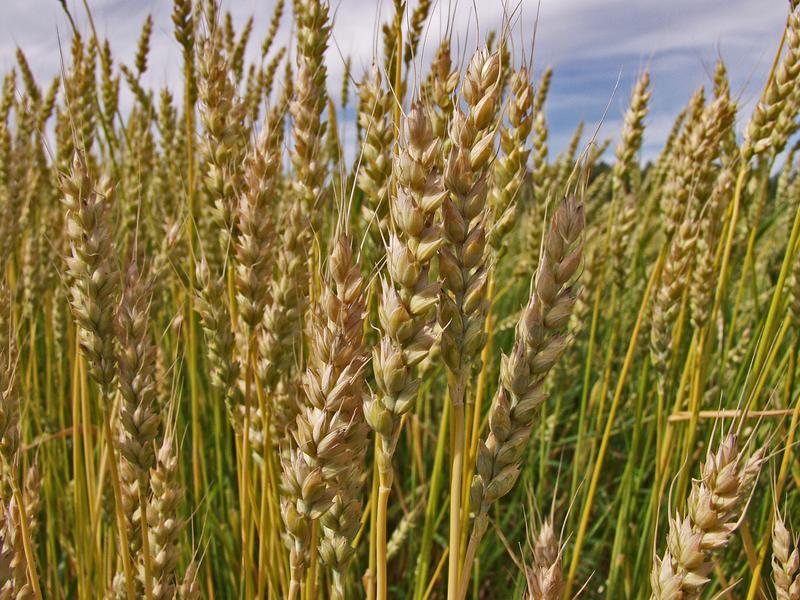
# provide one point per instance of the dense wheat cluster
(237, 361)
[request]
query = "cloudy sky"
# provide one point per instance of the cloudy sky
(594, 46)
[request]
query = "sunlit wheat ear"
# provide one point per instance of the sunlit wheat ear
(280, 338)
(715, 509)
(408, 299)
(625, 186)
(7, 95)
(541, 184)
(696, 148)
(631, 137)
(722, 89)
(9, 395)
(565, 167)
(279, 331)
(543, 89)
(139, 419)
(18, 585)
(785, 562)
(437, 95)
(163, 517)
(222, 147)
(324, 467)
(256, 221)
(462, 259)
(308, 104)
(184, 24)
(212, 306)
(510, 169)
(92, 271)
(408, 296)
(12, 557)
(545, 575)
(761, 130)
(335, 380)
(709, 232)
(79, 94)
(674, 279)
(280, 345)
(538, 343)
(375, 125)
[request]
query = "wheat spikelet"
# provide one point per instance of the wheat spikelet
(280, 344)
(335, 378)
(542, 90)
(139, 420)
(715, 506)
(674, 279)
(538, 343)
(308, 104)
(256, 225)
(79, 94)
(709, 232)
(374, 121)
(9, 395)
(545, 577)
(408, 297)
(772, 105)
(462, 260)
(211, 304)
(696, 148)
(565, 165)
(437, 94)
(164, 521)
(222, 146)
(509, 170)
(625, 174)
(190, 586)
(324, 465)
(631, 137)
(785, 562)
(91, 269)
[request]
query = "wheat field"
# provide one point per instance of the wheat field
(239, 361)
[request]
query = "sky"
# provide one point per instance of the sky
(597, 48)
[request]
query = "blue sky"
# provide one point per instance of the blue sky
(591, 44)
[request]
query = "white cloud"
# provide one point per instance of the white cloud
(589, 42)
